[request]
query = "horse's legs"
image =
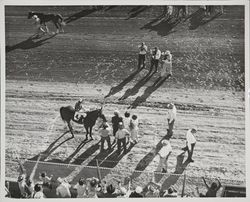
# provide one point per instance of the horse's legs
(57, 27)
(47, 29)
(71, 129)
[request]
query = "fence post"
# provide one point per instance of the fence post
(98, 170)
(183, 187)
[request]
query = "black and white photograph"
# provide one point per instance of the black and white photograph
(139, 100)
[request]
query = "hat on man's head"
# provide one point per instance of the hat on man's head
(60, 180)
(167, 52)
(170, 106)
(138, 189)
(165, 142)
(116, 112)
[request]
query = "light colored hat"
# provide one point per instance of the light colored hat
(165, 142)
(80, 100)
(123, 190)
(116, 112)
(167, 52)
(138, 189)
(170, 106)
(59, 179)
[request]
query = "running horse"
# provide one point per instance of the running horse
(44, 18)
(67, 115)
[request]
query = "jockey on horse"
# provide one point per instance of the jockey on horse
(79, 110)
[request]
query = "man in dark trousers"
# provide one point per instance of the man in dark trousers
(155, 57)
(142, 55)
(190, 143)
(115, 121)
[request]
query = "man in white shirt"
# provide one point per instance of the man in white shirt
(155, 57)
(121, 135)
(62, 191)
(142, 55)
(171, 116)
(105, 133)
(190, 143)
(164, 153)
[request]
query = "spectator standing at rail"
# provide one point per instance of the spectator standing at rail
(142, 55)
(152, 192)
(171, 117)
(110, 192)
(137, 193)
(38, 194)
(164, 154)
(46, 179)
(92, 187)
(134, 128)
(121, 138)
(62, 191)
(116, 119)
(190, 143)
(155, 57)
(211, 190)
(81, 188)
(105, 134)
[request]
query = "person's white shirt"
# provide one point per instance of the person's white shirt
(143, 51)
(81, 190)
(172, 114)
(126, 122)
(190, 138)
(165, 150)
(63, 190)
(157, 56)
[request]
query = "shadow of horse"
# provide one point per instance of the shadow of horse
(81, 14)
(162, 25)
(179, 169)
(45, 154)
(85, 155)
(138, 85)
(136, 11)
(29, 44)
(146, 160)
(148, 91)
(120, 86)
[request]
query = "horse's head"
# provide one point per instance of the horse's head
(30, 14)
(101, 115)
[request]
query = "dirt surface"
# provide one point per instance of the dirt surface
(97, 52)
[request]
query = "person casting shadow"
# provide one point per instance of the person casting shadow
(120, 86)
(138, 85)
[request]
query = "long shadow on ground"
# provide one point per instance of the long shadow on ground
(80, 14)
(29, 44)
(120, 86)
(179, 169)
(85, 155)
(136, 11)
(136, 88)
(51, 148)
(197, 19)
(161, 25)
(146, 160)
(148, 91)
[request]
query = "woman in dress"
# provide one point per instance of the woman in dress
(166, 69)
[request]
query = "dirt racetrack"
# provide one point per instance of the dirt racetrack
(97, 52)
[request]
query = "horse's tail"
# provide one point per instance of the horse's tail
(60, 19)
(61, 113)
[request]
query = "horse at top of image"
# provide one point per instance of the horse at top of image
(68, 115)
(57, 19)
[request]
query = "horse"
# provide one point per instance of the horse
(67, 114)
(44, 18)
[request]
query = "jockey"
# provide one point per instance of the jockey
(79, 110)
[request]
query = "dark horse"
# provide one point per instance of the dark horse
(67, 114)
(55, 18)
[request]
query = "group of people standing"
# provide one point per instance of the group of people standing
(125, 129)
(157, 57)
